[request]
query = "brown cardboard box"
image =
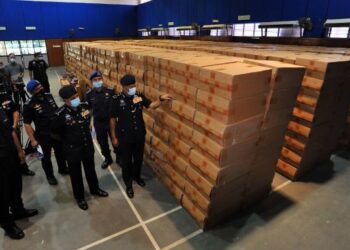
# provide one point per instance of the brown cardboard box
(178, 161)
(228, 135)
(224, 156)
(227, 111)
(236, 80)
(180, 146)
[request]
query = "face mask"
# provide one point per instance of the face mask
(75, 102)
(132, 91)
(12, 60)
(41, 93)
(97, 84)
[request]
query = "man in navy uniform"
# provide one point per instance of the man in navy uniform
(128, 129)
(72, 126)
(12, 112)
(11, 180)
(99, 99)
(40, 109)
(37, 71)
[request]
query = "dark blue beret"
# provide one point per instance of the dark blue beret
(127, 80)
(95, 74)
(67, 92)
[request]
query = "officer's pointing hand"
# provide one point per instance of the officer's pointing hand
(166, 97)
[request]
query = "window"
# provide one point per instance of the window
(273, 32)
(339, 32)
(3, 49)
(12, 47)
(246, 29)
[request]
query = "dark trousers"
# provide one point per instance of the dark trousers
(131, 153)
(102, 134)
(47, 143)
(46, 85)
(74, 163)
(10, 189)
(19, 95)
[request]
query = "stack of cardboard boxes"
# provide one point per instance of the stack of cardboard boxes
(216, 146)
(319, 116)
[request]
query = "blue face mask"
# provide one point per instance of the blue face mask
(75, 102)
(132, 91)
(97, 84)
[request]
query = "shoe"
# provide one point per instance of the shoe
(106, 163)
(25, 213)
(100, 193)
(28, 172)
(64, 171)
(52, 180)
(82, 204)
(130, 192)
(13, 231)
(140, 182)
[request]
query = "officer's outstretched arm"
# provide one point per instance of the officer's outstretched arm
(15, 119)
(162, 98)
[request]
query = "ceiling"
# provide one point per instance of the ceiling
(120, 2)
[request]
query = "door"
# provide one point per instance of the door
(55, 52)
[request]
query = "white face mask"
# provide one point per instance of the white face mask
(132, 91)
(12, 60)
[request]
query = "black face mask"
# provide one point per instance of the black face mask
(40, 94)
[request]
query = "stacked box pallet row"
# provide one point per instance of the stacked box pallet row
(220, 138)
(320, 113)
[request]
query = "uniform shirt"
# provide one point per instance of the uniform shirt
(128, 111)
(7, 145)
(72, 127)
(39, 70)
(40, 111)
(100, 102)
(9, 106)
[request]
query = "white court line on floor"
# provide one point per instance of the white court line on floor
(183, 240)
(110, 237)
(280, 186)
(133, 208)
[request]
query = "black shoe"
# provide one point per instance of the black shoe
(130, 192)
(82, 204)
(64, 171)
(140, 182)
(25, 213)
(106, 163)
(100, 193)
(52, 180)
(27, 172)
(13, 231)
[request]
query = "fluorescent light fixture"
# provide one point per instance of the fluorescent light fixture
(160, 25)
(2, 28)
(81, 28)
(215, 20)
(171, 23)
(30, 28)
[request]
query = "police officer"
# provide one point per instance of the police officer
(12, 113)
(99, 99)
(11, 180)
(72, 126)
(128, 129)
(37, 71)
(40, 109)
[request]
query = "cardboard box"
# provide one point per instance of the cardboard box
(227, 111)
(228, 135)
(236, 80)
(179, 162)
